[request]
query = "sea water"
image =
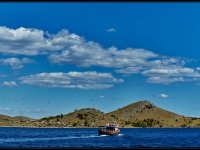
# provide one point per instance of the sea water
(89, 138)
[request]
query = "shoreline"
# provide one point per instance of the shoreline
(97, 127)
(41, 127)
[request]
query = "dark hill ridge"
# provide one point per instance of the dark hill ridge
(139, 114)
(23, 118)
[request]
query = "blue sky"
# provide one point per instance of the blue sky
(57, 57)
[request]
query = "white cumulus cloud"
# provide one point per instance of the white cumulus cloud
(92, 54)
(163, 95)
(111, 30)
(31, 41)
(81, 80)
(10, 84)
(15, 63)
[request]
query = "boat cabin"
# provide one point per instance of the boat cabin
(109, 129)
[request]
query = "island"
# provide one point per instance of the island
(139, 114)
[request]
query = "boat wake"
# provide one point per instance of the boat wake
(103, 135)
(120, 134)
(51, 138)
(46, 138)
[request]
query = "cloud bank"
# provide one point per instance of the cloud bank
(64, 47)
(81, 80)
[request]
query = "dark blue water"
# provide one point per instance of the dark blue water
(88, 138)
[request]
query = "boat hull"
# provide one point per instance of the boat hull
(108, 133)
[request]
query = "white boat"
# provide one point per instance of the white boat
(109, 129)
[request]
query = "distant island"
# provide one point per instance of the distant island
(139, 114)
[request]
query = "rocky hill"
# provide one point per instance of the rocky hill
(146, 114)
(139, 114)
(13, 121)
